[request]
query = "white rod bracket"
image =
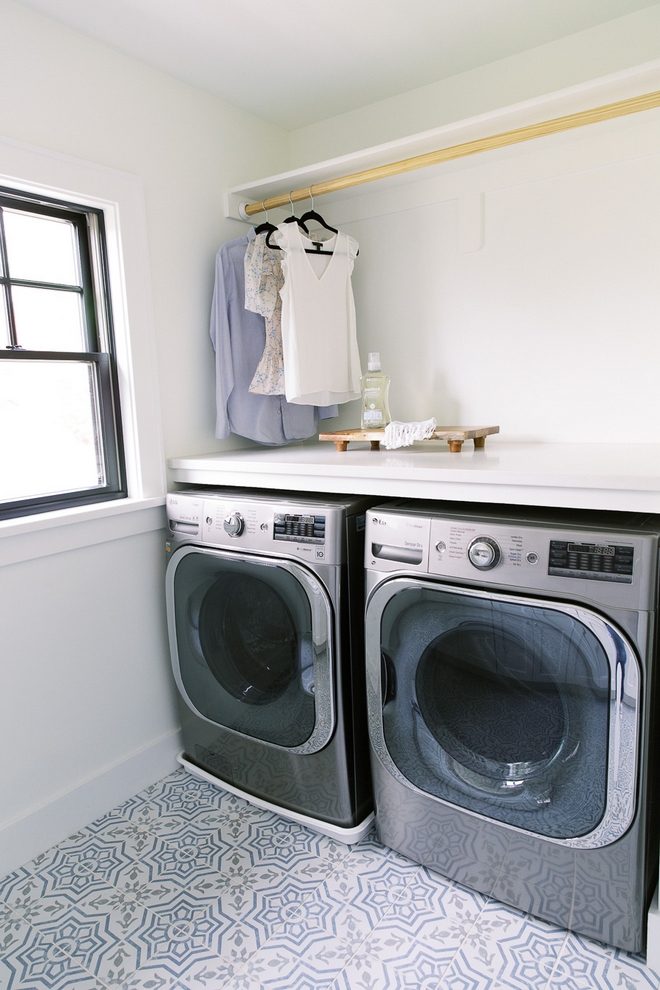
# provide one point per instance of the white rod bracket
(235, 207)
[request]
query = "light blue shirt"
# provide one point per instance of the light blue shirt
(239, 337)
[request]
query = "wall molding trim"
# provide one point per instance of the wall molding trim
(24, 838)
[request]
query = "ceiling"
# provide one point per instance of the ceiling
(294, 62)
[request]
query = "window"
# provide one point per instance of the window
(60, 435)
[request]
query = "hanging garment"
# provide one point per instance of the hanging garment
(321, 358)
(238, 337)
(263, 280)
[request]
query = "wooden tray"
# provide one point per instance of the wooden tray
(455, 436)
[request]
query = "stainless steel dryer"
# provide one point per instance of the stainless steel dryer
(510, 690)
(265, 608)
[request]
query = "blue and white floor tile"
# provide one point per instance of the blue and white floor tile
(186, 887)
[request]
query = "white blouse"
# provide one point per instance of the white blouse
(321, 358)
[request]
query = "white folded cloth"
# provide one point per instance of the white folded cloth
(404, 434)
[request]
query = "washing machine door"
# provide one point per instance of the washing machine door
(251, 648)
(522, 711)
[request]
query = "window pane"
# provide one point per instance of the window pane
(4, 325)
(49, 439)
(48, 319)
(42, 249)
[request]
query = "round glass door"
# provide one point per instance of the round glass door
(492, 705)
(522, 711)
(249, 637)
(250, 646)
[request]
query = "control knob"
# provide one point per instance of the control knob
(233, 524)
(484, 553)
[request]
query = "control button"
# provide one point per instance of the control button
(532, 557)
(484, 553)
(440, 546)
(233, 524)
(209, 521)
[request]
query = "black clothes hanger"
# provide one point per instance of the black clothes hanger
(272, 228)
(311, 214)
(267, 228)
(317, 249)
(264, 227)
(318, 245)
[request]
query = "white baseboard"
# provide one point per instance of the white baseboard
(25, 838)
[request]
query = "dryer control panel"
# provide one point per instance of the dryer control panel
(593, 561)
(609, 567)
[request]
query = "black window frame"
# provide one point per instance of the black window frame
(100, 353)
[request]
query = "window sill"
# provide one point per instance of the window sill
(46, 533)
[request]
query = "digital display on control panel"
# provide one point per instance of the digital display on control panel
(299, 528)
(593, 561)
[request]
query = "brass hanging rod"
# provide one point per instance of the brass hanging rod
(621, 109)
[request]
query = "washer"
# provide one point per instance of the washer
(265, 607)
(510, 692)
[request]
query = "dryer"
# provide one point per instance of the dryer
(510, 686)
(265, 613)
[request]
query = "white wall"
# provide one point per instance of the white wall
(67, 93)
(610, 47)
(550, 329)
(87, 712)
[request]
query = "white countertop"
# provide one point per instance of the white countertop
(593, 476)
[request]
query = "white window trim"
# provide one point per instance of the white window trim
(120, 195)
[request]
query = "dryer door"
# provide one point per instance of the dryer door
(250, 639)
(522, 711)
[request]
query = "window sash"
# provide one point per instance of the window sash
(109, 436)
(98, 345)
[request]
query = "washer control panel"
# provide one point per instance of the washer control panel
(308, 532)
(298, 527)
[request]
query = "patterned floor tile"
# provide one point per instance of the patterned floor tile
(94, 943)
(180, 959)
(584, 963)
(390, 959)
(288, 845)
(234, 819)
(163, 897)
(34, 963)
(154, 978)
(243, 981)
(505, 948)
(370, 859)
(43, 900)
(629, 974)
(116, 850)
(346, 906)
(299, 958)
(431, 906)
(187, 887)
(180, 792)
(61, 874)
(13, 931)
(250, 911)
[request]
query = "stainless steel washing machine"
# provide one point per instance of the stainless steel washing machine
(265, 602)
(511, 696)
